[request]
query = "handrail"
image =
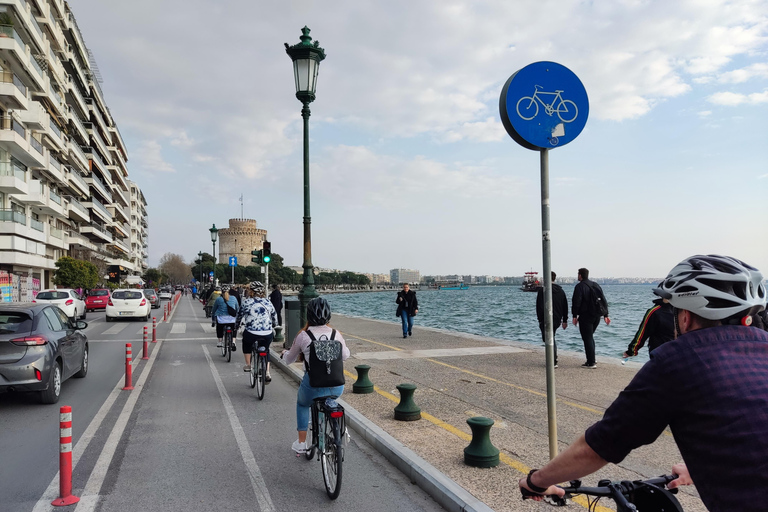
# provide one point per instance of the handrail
(10, 215)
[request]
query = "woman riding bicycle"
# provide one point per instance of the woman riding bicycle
(223, 313)
(259, 317)
(318, 316)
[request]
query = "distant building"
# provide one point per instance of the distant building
(404, 275)
(378, 278)
(239, 239)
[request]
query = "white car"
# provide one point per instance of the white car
(67, 299)
(165, 295)
(128, 304)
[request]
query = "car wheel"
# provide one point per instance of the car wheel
(84, 366)
(108, 318)
(84, 315)
(51, 395)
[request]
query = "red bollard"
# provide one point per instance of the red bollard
(145, 354)
(165, 313)
(154, 330)
(65, 459)
(128, 368)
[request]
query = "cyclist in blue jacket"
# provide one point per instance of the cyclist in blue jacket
(224, 313)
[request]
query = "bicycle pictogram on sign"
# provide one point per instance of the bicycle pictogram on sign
(528, 107)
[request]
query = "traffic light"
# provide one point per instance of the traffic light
(259, 258)
(266, 252)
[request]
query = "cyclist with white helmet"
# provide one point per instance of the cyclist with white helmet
(709, 385)
(258, 315)
(223, 313)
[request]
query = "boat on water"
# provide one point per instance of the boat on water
(531, 282)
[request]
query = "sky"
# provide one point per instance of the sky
(410, 164)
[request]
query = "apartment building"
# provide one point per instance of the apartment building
(64, 184)
(404, 275)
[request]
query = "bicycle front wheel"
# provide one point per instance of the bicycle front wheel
(567, 111)
(261, 364)
(331, 458)
(252, 373)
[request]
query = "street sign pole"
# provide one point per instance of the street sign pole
(266, 279)
(549, 336)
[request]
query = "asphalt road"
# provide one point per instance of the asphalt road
(192, 435)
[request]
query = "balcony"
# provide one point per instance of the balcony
(53, 136)
(78, 99)
(13, 91)
(118, 178)
(34, 118)
(35, 196)
(98, 141)
(76, 182)
(37, 225)
(55, 169)
(120, 230)
(75, 121)
(118, 196)
(36, 145)
(118, 213)
(94, 180)
(8, 215)
(76, 210)
(98, 209)
(54, 205)
(14, 138)
(96, 115)
(76, 155)
(96, 232)
(11, 42)
(13, 179)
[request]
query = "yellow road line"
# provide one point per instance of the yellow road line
(503, 457)
(371, 341)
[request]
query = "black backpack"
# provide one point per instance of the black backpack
(325, 368)
(599, 306)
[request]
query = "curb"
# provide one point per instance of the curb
(443, 490)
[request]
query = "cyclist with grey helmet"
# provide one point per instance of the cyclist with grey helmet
(258, 316)
(318, 316)
(709, 385)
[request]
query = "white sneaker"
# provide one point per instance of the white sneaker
(219, 344)
(298, 447)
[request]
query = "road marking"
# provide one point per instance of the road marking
(440, 352)
(179, 328)
(257, 481)
(90, 493)
(115, 329)
(150, 334)
(207, 328)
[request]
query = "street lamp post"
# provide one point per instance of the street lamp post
(214, 236)
(306, 57)
(200, 257)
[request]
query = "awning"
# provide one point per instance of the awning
(134, 280)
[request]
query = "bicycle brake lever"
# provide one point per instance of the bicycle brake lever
(550, 499)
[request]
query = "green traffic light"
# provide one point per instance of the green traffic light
(267, 259)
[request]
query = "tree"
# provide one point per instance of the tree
(90, 256)
(174, 266)
(152, 277)
(72, 273)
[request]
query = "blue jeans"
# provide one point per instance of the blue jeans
(407, 322)
(305, 397)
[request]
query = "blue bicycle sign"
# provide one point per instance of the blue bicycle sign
(566, 110)
(543, 106)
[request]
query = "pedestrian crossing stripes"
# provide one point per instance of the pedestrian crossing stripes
(179, 328)
(207, 328)
(116, 329)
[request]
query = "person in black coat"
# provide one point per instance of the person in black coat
(586, 315)
(276, 298)
(407, 308)
(559, 311)
(658, 327)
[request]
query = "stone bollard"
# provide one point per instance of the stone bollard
(363, 385)
(279, 338)
(407, 410)
(481, 453)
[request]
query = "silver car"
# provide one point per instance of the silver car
(40, 348)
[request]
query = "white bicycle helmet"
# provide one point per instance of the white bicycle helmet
(224, 288)
(714, 287)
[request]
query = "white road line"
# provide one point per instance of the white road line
(257, 481)
(179, 328)
(52, 492)
(115, 329)
(150, 337)
(207, 328)
(90, 494)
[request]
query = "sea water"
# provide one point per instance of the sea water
(508, 313)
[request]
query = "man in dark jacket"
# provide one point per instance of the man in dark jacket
(276, 298)
(559, 311)
(658, 327)
(586, 314)
(407, 307)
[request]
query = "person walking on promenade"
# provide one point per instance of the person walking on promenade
(317, 328)
(407, 308)
(559, 311)
(710, 386)
(276, 298)
(586, 313)
(658, 327)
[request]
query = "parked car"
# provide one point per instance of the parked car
(127, 303)
(165, 294)
(154, 300)
(97, 299)
(40, 348)
(67, 299)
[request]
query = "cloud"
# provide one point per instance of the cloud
(737, 76)
(182, 140)
(732, 99)
(148, 155)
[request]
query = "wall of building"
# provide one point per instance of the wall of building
(239, 239)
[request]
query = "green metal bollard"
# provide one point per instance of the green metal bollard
(481, 453)
(279, 338)
(407, 410)
(363, 385)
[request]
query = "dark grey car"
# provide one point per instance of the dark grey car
(40, 348)
(153, 299)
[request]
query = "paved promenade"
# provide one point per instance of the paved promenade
(461, 375)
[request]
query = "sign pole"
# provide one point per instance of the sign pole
(266, 278)
(549, 345)
(233, 274)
